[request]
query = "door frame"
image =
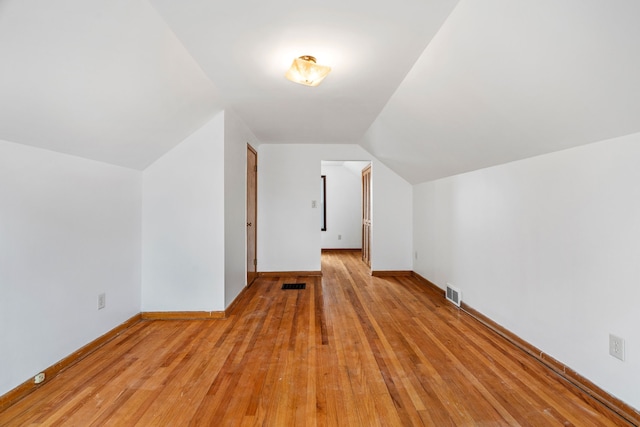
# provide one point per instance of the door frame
(252, 217)
(366, 215)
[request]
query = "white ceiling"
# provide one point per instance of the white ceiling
(106, 80)
(432, 88)
(246, 46)
(505, 80)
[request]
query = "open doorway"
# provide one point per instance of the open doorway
(342, 205)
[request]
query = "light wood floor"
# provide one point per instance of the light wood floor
(349, 350)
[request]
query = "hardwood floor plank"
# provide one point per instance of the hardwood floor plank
(349, 350)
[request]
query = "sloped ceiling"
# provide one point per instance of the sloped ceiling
(432, 88)
(506, 80)
(105, 80)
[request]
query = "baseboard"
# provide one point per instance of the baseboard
(194, 315)
(234, 303)
(429, 284)
(623, 410)
(182, 315)
(617, 406)
(391, 273)
(29, 386)
(289, 273)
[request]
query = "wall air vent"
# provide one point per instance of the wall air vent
(454, 295)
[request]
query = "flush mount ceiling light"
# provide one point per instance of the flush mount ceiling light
(305, 71)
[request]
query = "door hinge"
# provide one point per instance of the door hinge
(255, 262)
(255, 168)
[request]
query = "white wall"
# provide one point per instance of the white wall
(69, 230)
(344, 205)
(236, 137)
(392, 201)
(548, 247)
(288, 230)
(183, 261)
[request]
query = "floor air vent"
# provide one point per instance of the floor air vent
(454, 295)
(294, 286)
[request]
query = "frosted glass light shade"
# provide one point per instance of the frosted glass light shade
(304, 70)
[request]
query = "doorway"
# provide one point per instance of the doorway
(341, 205)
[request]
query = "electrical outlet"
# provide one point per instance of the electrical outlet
(616, 347)
(39, 378)
(102, 301)
(339, 236)
(416, 254)
(314, 204)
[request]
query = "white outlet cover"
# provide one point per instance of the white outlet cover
(616, 347)
(39, 378)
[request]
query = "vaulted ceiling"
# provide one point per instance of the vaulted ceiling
(432, 88)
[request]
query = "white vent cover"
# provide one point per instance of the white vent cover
(454, 295)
